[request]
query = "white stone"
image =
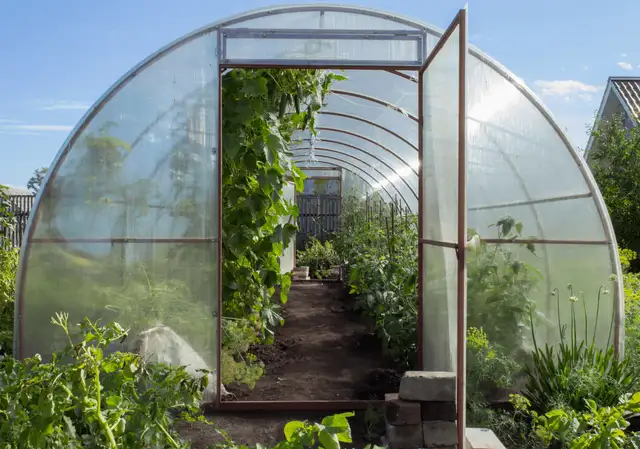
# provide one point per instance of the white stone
(482, 439)
(161, 344)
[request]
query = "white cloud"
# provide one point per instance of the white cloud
(17, 127)
(625, 66)
(566, 89)
(65, 106)
(624, 55)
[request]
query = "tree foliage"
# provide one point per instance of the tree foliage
(615, 163)
(37, 178)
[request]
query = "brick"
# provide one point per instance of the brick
(439, 433)
(399, 412)
(436, 386)
(438, 411)
(404, 437)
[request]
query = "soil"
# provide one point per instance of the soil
(324, 351)
(268, 428)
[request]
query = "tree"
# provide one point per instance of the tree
(615, 162)
(36, 179)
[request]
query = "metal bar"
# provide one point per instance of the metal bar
(461, 352)
(404, 75)
(531, 202)
(420, 344)
(359, 136)
(118, 240)
(328, 168)
(546, 242)
(321, 33)
(369, 122)
(298, 406)
(336, 64)
(438, 243)
(218, 316)
(375, 100)
(372, 156)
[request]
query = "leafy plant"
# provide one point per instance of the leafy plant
(87, 398)
(8, 271)
(318, 257)
(595, 427)
(499, 288)
(615, 163)
(576, 370)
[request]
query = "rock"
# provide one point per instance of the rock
(439, 411)
(439, 433)
(404, 437)
(436, 386)
(161, 344)
(399, 412)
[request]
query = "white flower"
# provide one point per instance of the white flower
(573, 298)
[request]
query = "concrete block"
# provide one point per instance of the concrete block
(435, 386)
(404, 437)
(439, 433)
(438, 411)
(482, 439)
(399, 412)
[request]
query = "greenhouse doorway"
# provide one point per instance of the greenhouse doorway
(439, 79)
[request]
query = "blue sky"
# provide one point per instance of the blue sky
(59, 57)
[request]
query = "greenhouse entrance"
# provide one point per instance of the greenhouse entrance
(383, 152)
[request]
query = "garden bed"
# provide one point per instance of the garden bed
(324, 351)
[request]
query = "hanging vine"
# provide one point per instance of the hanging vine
(262, 109)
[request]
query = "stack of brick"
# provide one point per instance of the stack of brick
(423, 413)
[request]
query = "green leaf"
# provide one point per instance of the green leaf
(292, 428)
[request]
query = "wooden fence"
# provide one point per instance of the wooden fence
(20, 208)
(319, 217)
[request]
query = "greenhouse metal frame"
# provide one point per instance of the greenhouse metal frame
(410, 48)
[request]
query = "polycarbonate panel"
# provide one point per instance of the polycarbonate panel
(392, 174)
(440, 106)
(398, 90)
(143, 167)
(387, 116)
(139, 285)
(396, 151)
(560, 272)
(387, 192)
(322, 173)
(353, 184)
(509, 137)
(439, 308)
(322, 18)
(318, 48)
(567, 219)
(126, 227)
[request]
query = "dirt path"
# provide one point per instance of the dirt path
(323, 352)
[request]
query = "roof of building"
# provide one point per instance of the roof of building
(15, 191)
(629, 90)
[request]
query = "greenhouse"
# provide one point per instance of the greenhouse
(172, 203)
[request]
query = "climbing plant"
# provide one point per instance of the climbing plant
(262, 109)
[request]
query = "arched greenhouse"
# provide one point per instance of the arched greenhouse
(198, 151)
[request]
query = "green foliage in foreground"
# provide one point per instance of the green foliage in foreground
(89, 398)
(8, 272)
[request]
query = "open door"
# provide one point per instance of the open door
(442, 209)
